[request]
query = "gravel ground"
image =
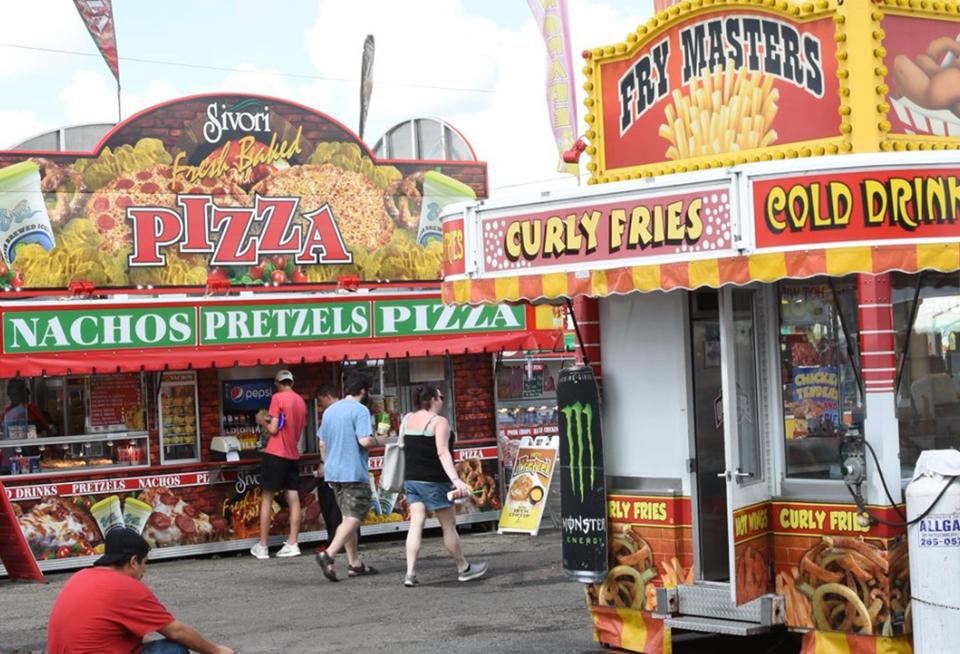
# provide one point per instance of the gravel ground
(525, 604)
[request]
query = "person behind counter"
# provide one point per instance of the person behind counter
(107, 609)
(280, 467)
(18, 417)
(429, 475)
(346, 435)
(326, 397)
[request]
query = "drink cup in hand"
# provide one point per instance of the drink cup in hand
(383, 428)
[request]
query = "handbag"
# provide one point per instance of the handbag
(391, 476)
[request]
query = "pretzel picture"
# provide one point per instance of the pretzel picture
(726, 110)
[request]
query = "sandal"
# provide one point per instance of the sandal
(361, 570)
(325, 562)
(410, 581)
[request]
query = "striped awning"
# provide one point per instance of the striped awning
(714, 273)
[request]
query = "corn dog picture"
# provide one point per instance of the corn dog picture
(923, 60)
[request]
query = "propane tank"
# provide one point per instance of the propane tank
(934, 543)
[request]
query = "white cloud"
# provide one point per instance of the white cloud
(249, 78)
(40, 23)
(17, 125)
(509, 127)
(91, 97)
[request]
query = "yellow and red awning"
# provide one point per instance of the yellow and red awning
(756, 223)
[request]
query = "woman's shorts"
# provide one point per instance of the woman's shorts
(432, 494)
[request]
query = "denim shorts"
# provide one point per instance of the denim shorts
(432, 494)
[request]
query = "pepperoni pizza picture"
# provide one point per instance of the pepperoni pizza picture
(175, 522)
(57, 525)
(151, 187)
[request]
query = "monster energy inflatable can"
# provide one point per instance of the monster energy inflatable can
(583, 495)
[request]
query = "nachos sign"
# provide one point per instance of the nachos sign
(239, 189)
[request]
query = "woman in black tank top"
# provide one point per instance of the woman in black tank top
(429, 474)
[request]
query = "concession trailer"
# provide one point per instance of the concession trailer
(151, 289)
(766, 273)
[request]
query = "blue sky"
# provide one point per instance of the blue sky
(292, 48)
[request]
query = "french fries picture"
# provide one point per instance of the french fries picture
(846, 584)
(725, 110)
(632, 580)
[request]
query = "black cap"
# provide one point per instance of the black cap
(120, 544)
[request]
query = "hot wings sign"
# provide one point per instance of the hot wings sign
(246, 190)
(713, 84)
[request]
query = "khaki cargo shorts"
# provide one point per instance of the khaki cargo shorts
(353, 499)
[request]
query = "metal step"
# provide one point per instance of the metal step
(713, 601)
(716, 626)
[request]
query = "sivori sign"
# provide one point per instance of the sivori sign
(188, 326)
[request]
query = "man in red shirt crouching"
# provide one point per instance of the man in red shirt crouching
(108, 610)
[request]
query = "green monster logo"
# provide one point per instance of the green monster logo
(578, 414)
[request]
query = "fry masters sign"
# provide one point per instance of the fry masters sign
(234, 189)
(714, 83)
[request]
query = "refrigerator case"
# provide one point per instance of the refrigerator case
(242, 400)
(179, 427)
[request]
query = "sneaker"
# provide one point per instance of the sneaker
(260, 551)
(410, 581)
(472, 571)
(288, 550)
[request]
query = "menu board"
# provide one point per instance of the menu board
(116, 403)
(533, 383)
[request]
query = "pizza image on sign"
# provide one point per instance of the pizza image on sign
(245, 191)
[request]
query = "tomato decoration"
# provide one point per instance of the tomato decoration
(216, 274)
(4, 271)
(256, 272)
(299, 277)
(278, 277)
(280, 261)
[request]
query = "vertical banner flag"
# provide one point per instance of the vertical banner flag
(551, 17)
(98, 17)
(366, 81)
(583, 489)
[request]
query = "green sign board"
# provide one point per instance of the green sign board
(265, 323)
(429, 316)
(98, 329)
(128, 328)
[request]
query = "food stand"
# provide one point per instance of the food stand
(151, 289)
(772, 239)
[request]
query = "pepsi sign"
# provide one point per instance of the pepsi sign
(247, 394)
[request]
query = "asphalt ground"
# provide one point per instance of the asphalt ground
(525, 604)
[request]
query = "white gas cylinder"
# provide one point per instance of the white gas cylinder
(934, 543)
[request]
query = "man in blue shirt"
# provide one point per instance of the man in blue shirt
(346, 435)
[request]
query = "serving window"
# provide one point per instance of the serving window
(820, 379)
(926, 311)
(73, 423)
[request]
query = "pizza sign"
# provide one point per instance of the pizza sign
(713, 84)
(236, 236)
(242, 190)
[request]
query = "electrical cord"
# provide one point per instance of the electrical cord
(883, 481)
(861, 506)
